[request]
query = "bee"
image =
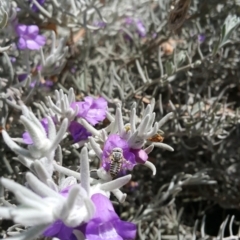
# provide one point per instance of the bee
(156, 138)
(178, 14)
(116, 161)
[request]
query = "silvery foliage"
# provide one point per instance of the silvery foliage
(44, 145)
(163, 204)
(230, 24)
(4, 9)
(165, 228)
(56, 60)
(61, 109)
(10, 92)
(70, 14)
(167, 193)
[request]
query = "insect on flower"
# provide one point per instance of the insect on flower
(178, 13)
(116, 161)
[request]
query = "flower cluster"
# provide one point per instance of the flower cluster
(29, 37)
(55, 201)
(77, 206)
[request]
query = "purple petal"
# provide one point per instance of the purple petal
(32, 84)
(112, 142)
(78, 132)
(95, 116)
(106, 164)
(22, 77)
(82, 106)
(105, 211)
(154, 35)
(107, 231)
(100, 24)
(126, 230)
(201, 38)
(32, 45)
(60, 230)
(22, 44)
(89, 100)
(40, 40)
(97, 111)
(26, 138)
(13, 59)
(141, 28)
(99, 103)
(129, 20)
(32, 31)
(21, 29)
(93, 110)
(140, 155)
(48, 83)
(44, 122)
(101, 231)
(39, 67)
(130, 163)
(106, 224)
(138, 25)
(34, 7)
(54, 229)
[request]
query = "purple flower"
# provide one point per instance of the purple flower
(131, 156)
(26, 136)
(138, 25)
(78, 132)
(106, 224)
(100, 24)
(34, 7)
(141, 30)
(22, 76)
(29, 37)
(92, 110)
(201, 38)
(154, 35)
(73, 69)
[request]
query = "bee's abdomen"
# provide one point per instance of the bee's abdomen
(115, 168)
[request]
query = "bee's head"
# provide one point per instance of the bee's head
(117, 150)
